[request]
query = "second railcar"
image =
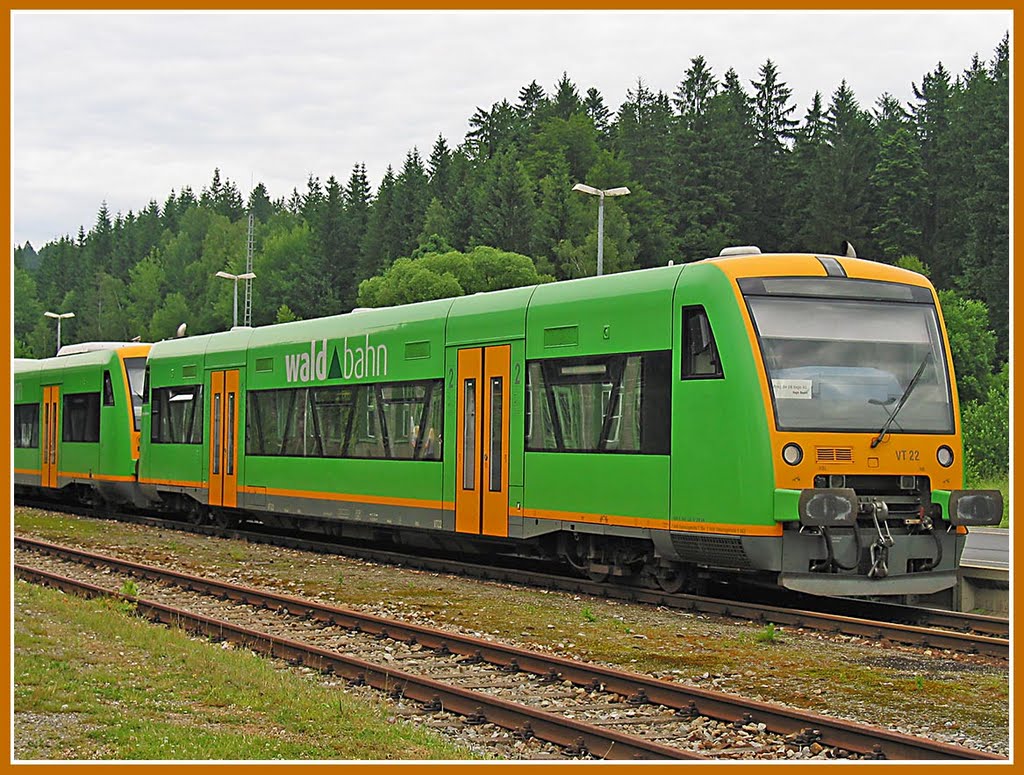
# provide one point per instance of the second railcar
(77, 420)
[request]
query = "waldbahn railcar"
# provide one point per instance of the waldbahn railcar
(789, 418)
(76, 420)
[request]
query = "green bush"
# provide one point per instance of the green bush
(986, 431)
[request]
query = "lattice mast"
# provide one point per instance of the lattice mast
(247, 314)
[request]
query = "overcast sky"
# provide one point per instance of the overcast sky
(124, 107)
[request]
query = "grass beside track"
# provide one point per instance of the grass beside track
(94, 682)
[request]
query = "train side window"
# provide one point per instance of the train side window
(26, 426)
(618, 403)
(108, 390)
(176, 416)
(81, 418)
(699, 353)
(393, 421)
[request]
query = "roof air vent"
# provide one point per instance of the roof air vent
(741, 250)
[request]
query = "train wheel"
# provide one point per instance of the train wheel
(670, 579)
(223, 519)
(196, 515)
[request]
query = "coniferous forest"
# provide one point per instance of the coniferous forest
(717, 162)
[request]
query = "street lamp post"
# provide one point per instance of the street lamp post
(58, 318)
(600, 193)
(236, 278)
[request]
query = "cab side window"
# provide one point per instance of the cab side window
(108, 390)
(700, 354)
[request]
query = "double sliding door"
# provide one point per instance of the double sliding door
(481, 456)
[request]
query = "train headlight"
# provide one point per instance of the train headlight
(944, 456)
(792, 454)
(975, 507)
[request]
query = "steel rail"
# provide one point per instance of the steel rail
(860, 738)
(576, 735)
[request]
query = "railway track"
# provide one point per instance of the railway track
(588, 709)
(923, 627)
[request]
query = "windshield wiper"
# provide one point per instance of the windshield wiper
(903, 399)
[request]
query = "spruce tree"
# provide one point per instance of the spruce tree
(532, 104)
(439, 167)
(693, 96)
(355, 218)
(897, 180)
(702, 198)
(506, 211)
(312, 199)
(169, 212)
(599, 114)
(100, 242)
(932, 116)
(773, 131)
(566, 101)
(412, 195)
(381, 243)
(980, 132)
(848, 162)
(259, 203)
(642, 132)
(462, 211)
(494, 130)
(730, 137)
(328, 276)
(801, 219)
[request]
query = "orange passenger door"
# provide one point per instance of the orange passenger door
(481, 458)
(224, 438)
(51, 427)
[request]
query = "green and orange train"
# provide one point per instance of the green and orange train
(788, 418)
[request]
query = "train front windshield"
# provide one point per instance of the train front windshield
(851, 355)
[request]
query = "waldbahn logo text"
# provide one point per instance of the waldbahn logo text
(358, 362)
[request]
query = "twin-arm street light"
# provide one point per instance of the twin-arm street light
(58, 318)
(600, 194)
(236, 278)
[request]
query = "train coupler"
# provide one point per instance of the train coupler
(880, 546)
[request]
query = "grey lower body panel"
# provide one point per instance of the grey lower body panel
(122, 492)
(531, 527)
(152, 492)
(349, 511)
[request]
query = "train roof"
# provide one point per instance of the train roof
(87, 357)
(783, 264)
(26, 365)
(462, 317)
(88, 347)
